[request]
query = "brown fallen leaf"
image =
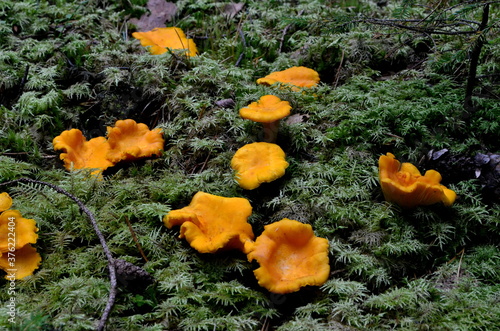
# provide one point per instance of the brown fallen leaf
(160, 11)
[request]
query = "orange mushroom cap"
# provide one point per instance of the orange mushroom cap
(27, 260)
(129, 140)
(211, 223)
(80, 153)
(296, 76)
(24, 229)
(5, 201)
(162, 39)
(267, 109)
(258, 163)
(404, 184)
(290, 257)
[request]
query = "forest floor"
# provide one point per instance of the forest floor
(393, 79)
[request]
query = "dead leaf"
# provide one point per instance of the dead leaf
(296, 118)
(160, 11)
(231, 9)
(225, 103)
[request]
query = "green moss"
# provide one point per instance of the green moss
(74, 64)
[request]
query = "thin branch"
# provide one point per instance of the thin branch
(109, 256)
(474, 59)
(244, 42)
(285, 30)
(205, 163)
(472, 3)
(137, 243)
(24, 80)
(337, 75)
(433, 10)
(460, 264)
(397, 24)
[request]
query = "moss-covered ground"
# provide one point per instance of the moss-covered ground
(74, 64)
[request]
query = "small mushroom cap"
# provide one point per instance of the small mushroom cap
(403, 184)
(296, 76)
(290, 257)
(211, 223)
(258, 163)
(80, 153)
(24, 229)
(27, 260)
(5, 201)
(267, 109)
(162, 39)
(129, 140)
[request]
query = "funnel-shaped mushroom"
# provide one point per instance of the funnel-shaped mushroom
(17, 257)
(296, 76)
(258, 163)
(5, 201)
(404, 185)
(129, 140)
(163, 39)
(80, 153)
(268, 110)
(211, 223)
(290, 257)
(26, 261)
(24, 229)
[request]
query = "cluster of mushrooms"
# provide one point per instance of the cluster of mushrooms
(17, 257)
(401, 183)
(126, 141)
(288, 252)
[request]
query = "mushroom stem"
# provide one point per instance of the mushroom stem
(271, 131)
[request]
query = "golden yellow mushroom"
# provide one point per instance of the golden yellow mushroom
(129, 140)
(403, 184)
(14, 226)
(80, 153)
(5, 201)
(268, 110)
(163, 39)
(23, 262)
(298, 77)
(211, 223)
(258, 163)
(290, 257)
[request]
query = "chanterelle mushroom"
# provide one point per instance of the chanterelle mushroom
(268, 110)
(290, 257)
(129, 141)
(17, 257)
(258, 163)
(211, 223)
(403, 184)
(296, 76)
(80, 153)
(27, 261)
(163, 39)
